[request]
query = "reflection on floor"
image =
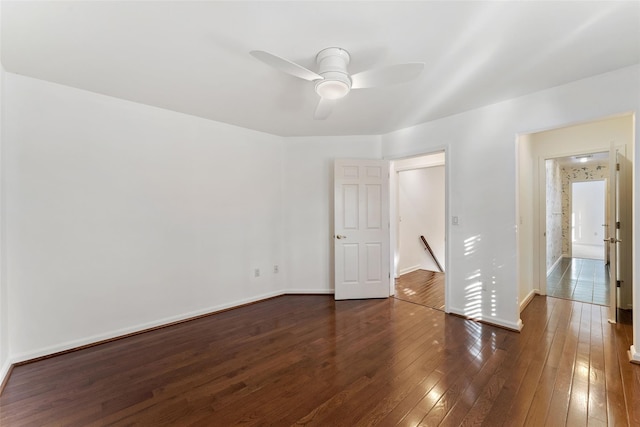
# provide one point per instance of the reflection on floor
(422, 287)
(579, 279)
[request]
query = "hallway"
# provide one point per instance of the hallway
(580, 279)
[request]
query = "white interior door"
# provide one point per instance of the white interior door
(612, 238)
(361, 235)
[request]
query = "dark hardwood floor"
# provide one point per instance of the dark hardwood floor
(422, 287)
(309, 360)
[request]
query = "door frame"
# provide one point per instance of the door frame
(542, 217)
(393, 217)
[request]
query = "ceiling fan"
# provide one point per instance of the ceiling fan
(333, 81)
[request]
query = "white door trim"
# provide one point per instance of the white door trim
(393, 218)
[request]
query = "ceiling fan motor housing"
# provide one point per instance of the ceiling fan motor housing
(332, 65)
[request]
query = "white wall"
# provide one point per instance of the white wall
(308, 209)
(588, 210)
(524, 219)
(481, 157)
(4, 306)
(421, 210)
(136, 216)
(122, 216)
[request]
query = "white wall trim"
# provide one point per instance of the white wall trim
(393, 214)
(94, 339)
(525, 302)
(555, 264)
(495, 321)
(409, 269)
(4, 371)
(309, 291)
(634, 356)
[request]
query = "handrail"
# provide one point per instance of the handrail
(427, 247)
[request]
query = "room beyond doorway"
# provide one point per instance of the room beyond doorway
(576, 196)
(420, 207)
(588, 219)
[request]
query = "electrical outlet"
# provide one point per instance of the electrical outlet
(276, 269)
(256, 272)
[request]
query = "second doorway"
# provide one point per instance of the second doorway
(420, 250)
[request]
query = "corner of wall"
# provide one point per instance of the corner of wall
(525, 302)
(5, 364)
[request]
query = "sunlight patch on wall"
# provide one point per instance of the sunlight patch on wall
(470, 245)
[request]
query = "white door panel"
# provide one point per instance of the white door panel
(361, 235)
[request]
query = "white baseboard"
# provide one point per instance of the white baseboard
(4, 370)
(69, 345)
(492, 320)
(557, 262)
(309, 291)
(409, 269)
(634, 355)
(525, 302)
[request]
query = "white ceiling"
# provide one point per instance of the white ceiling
(193, 57)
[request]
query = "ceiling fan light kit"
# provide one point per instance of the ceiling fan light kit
(332, 89)
(333, 80)
(332, 64)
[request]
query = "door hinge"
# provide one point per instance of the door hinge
(618, 283)
(617, 166)
(618, 225)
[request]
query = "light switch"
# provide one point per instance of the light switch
(454, 220)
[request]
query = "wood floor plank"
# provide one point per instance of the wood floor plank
(616, 407)
(559, 404)
(508, 401)
(312, 361)
(629, 372)
(597, 410)
(539, 409)
(579, 400)
(422, 287)
(451, 391)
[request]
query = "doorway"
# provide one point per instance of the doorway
(588, 219)
(575, 228)
(614, 135)
(420, 254)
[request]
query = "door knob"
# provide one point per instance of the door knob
(339, 236)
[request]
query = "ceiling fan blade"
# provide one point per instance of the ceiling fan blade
(324, 108)
(285, 65)
(394, 74)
